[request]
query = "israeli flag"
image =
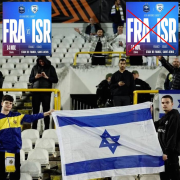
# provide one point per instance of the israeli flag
(175, 94)
(108, 142)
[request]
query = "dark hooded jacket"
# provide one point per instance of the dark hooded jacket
(38, 69)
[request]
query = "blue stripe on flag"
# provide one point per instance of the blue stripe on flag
(113, 163)
(169, 91)
(107, 119)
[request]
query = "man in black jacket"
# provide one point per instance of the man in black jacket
(174, 71)
(168, 81)
(168, 128)
(141, 85)
(42, 76)
(122, 85)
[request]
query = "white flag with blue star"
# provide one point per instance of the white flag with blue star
(175, 94)
(108, 142)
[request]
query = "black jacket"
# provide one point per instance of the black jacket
(175, 72)
(48, 69)
(168, 82)
(142, 85)
(168, 128)
(127, 89)
(88, 28)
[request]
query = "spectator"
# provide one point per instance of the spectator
(118, 44)
(174, 71)
(1, 84)
(168, 81)
(141, 85)
(10, 137)
(100, 43)
(122, 85)
(168, 128)
(92, 28)
(42, 76)
(118, 15)
(103, 92)
(151, 61)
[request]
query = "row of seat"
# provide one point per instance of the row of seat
(142, 177)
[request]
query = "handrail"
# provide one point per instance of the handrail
(135, 99)
(57, 98)
(109, 52)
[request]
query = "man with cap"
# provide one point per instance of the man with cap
(103, 92)
(42, 76)
(141, 85)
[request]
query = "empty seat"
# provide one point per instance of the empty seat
(25, 176)
(32, 134)
(67, 60)
(26, 145)
(13, 60)
(7, 85)
(79, 40)
(5, 72)
(69, 55)
(150, 177)
(64, 45)
(8, 66)
(50, 134)
(84, 55)
(10, 78)
(74, 50)
(23, 66)
(81, 60)
(27, 72)
(31, 167)
(61, 50)
(2, 61)
(58, 36)
(76, 45)
(87, 45)
(27, 60)
(54, 45)
(67, 40)
(48, 144)
(85, 49)
(58, 54)
(54, 60)
(16, 72)
(22, 85)
(39, 155)
(56, 40)
(124, 178)
(24, 78)
(22, 155)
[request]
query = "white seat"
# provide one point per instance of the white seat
(85, 49)
(16, 72)
(22, 85)
(6, 57)
(79, 40)
(13, 60)
(64, 45)
(57, 54)
(8, 66)
(72, 36)
(10, 78)
(87, 45)
(61, 50)
(76, 45)
(18, 57)
(48, 144)
(27, 72)
(3, 61)
(84, 55)
(25, 176)
(22, 155)
(81, 60)
(69, 55)
(5, 72)
(123, 178)
(74, 50)
(67, 40)
(67, 60)
(58, 36)
(24, 78)
(54, 60)
(32, 134)
(39, 155)
(50, 134)
(26, 145)
(23, 66)
(27, 60)
(150, 177)
(31, 167)
(31, 66)
(7, 85)
(56, 40)
(54, 45)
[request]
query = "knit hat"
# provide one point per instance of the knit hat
(108, 75)
(135, 72)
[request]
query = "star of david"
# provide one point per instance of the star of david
(105, 143)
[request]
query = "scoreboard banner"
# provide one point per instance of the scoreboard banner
(152, 29)
(26, 28)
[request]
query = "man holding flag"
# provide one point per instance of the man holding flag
(168, 128)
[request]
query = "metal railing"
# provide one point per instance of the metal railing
(57, 98)
(135, 98)
(75, 58)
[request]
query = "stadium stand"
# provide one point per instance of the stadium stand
(32, 134)
(25, 176)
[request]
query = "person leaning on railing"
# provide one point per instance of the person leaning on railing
(100, 43)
